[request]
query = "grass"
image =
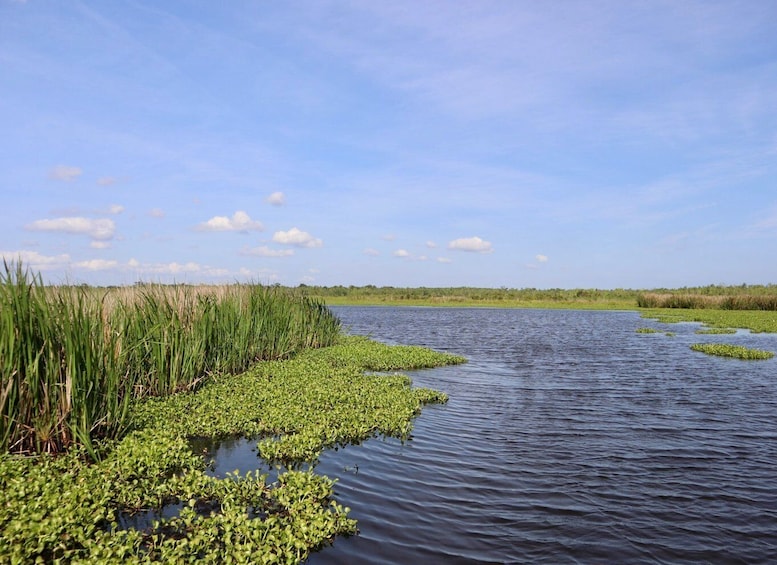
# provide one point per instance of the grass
(72, 359)
(753, 320)
(744, 297)
(741, 301)
(734, 351)
(474, 297)
(65, 509)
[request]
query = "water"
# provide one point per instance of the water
(568, 438)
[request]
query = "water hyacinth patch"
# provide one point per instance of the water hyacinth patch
(735, 351)
(320, 398)
(66, 509)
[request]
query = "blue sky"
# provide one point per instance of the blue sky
(565, 144)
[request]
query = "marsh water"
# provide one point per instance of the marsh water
(568, 438)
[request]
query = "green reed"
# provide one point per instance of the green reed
(767, 301)
(73, 358)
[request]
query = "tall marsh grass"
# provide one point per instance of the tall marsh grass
(72, 359)
(766, 302)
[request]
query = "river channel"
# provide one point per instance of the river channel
(568, 438)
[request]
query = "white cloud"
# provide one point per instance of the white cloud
(431, 244)
(443, 260)
(115, 209)
(541, 258)
(264, 251)
(371, 252)
(389, 237)
(240, 221)
(107, 181)
(35, 260)
(471, 244)
(65, 173)
(96, 264)
(97, 244)
(100, 229)
(277, 199)
(173, 268)
(296, 237)
(156, 213)
(401, 253)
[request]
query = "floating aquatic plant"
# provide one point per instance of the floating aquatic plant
(735, 351)
(66, 509)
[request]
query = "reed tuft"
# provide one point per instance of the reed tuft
(72, 359)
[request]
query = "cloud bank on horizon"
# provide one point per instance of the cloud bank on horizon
(520, 144)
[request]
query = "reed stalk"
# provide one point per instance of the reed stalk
(74, 358)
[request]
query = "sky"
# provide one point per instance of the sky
(515, 143)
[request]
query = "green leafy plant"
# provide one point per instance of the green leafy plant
(69, 508)
(735, 351)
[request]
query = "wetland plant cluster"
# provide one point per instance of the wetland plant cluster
(73, 359)
(67, 509)
(687, 300)
(722, 322)
(734, 351)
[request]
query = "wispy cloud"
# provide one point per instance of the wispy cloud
(539, 260)
(471, 244)
(403, 253)
(371, 252)
(115, 209)
(239, 222)
(296, 237)
(65, 173)
(276, 199)
(100, 229)
(96, 264)
(37, 261)
(264, 251)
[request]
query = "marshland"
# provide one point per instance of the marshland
(248, 423)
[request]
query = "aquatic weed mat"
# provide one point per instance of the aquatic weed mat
(68, 510)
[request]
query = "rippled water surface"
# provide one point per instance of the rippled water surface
(568, 438)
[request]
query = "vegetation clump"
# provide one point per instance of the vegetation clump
(73, 359)
(647, 331)
(66, 509)
(735, 351)
(716, 298)
(754, 320)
